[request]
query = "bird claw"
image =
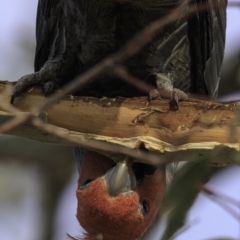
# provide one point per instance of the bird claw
(153, 94)
(14, 95)
(175, 95)
(22, 84)
(48, 88)
(28, 81)
(173, 104)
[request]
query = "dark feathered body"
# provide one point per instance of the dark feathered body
(78, 34)
(74, 35)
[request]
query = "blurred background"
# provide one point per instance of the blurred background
(38, 181)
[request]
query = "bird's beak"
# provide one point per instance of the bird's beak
(120, 179)
(80, 155)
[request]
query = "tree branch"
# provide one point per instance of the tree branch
(197, 129)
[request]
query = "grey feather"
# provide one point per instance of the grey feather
(72, 36)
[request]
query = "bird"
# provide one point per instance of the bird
(72, 36)
(116, 200)
(119, 200)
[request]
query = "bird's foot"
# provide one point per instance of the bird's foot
(48, 87)
(174, 94)
(165, 90)
(24, 83)
(28, 81)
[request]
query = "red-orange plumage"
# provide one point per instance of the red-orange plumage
(119, 217)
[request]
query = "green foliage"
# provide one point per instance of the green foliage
(182, 193)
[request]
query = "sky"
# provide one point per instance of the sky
(206, 218)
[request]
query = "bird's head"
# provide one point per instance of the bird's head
(117, 200)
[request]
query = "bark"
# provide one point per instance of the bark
(197, 129)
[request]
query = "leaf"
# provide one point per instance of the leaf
(182, 193)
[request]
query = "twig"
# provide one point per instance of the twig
(15, 122)
(144, 157)
(21, 117)
(126, 76)
(222, 201)
(220, 196)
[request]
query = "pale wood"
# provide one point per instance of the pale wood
(196, 128)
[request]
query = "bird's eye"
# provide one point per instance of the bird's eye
(144, 207)
(85, 184)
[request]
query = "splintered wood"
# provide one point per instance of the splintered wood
(197, 129)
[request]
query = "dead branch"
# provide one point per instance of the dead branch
(189, 133)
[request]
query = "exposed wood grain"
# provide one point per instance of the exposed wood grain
(198, 126)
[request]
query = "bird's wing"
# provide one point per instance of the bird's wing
(46, 26)
(206, 33)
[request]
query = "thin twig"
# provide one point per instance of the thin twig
(223, 201)
(22, 117)
(126, 76)
(141, 156)
(228, 199)
(15, 122)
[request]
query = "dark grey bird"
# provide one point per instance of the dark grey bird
(72, 36)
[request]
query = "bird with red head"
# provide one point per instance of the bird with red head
(117, 200)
